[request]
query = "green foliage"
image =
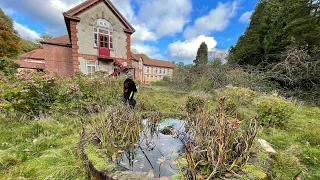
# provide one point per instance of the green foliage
(8, 37)
(202, 55)
(164, 82)
(194, 104)
(237, 97)
(27, 46)
(202, 84)
(274, 24)
(34, 94)
(8, 67)
(273, 110)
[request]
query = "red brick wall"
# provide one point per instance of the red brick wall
(75, 47)
(58, 59)
(128, 47)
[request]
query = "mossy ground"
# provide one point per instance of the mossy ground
(47, 148)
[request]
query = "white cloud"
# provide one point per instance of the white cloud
(245, 17)
(187, 50)
(165, 17)
(145, 49)
(25, 32)
(143, 34)
(217, 20)
(49, 12)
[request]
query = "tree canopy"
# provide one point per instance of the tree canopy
(9, 39)
(202, 55)
(275, 25)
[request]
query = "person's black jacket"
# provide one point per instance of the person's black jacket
(128, 87)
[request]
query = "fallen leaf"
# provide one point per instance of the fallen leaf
(114, 157)
(120, 151)
(228, 175)
(174, 162)
(200, 177)
(150, 174)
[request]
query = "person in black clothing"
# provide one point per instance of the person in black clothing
(129, 88)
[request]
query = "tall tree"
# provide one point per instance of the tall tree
(43, 37)
(276, 24)
(202, 55)
(8, 37)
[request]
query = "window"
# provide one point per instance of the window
(164, 71)
(102, 26)
(160, 71)
(156, 70)
(140, 64)
(91, 67)
(147, 69)
(140, 73)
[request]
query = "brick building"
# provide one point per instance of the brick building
(98, 39)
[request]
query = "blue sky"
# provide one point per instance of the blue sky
(165, 29)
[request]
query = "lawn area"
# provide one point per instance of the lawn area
(47, 148)
(298, 145)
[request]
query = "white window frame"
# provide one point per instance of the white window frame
(89, 65)
(102, 27)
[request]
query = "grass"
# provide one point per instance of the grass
(298, 145)
(42, 149)
(47, 148)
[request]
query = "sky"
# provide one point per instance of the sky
(165, 29)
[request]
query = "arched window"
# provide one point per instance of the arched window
(102, 26)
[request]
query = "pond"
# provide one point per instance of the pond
(159, 146)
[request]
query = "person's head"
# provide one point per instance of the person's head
(129, 75)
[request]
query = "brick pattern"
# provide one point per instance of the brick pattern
(58, 59)
(75, 47)
(88, 57)
(128, 47)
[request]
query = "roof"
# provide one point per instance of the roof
(35, 54)
(155, 62)
(33, 65)
(59, 40)
(74, 12)
(134, 57)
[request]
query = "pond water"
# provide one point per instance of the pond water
(156, 151)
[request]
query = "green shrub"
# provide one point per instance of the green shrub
(31, 94)
(37, 93)
(194, 104)
(164, 82)
(202, 85)
(8, 67)
(273, 110)
(237, 97)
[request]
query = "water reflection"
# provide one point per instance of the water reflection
(156, 151)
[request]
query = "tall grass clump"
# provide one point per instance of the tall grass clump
(116, 129)
(217, 144)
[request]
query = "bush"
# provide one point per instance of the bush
(8, 67)
(273, 110)
(194, 104)
(237, 97)
(37, 93)
(202, 85)
(164, 82)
